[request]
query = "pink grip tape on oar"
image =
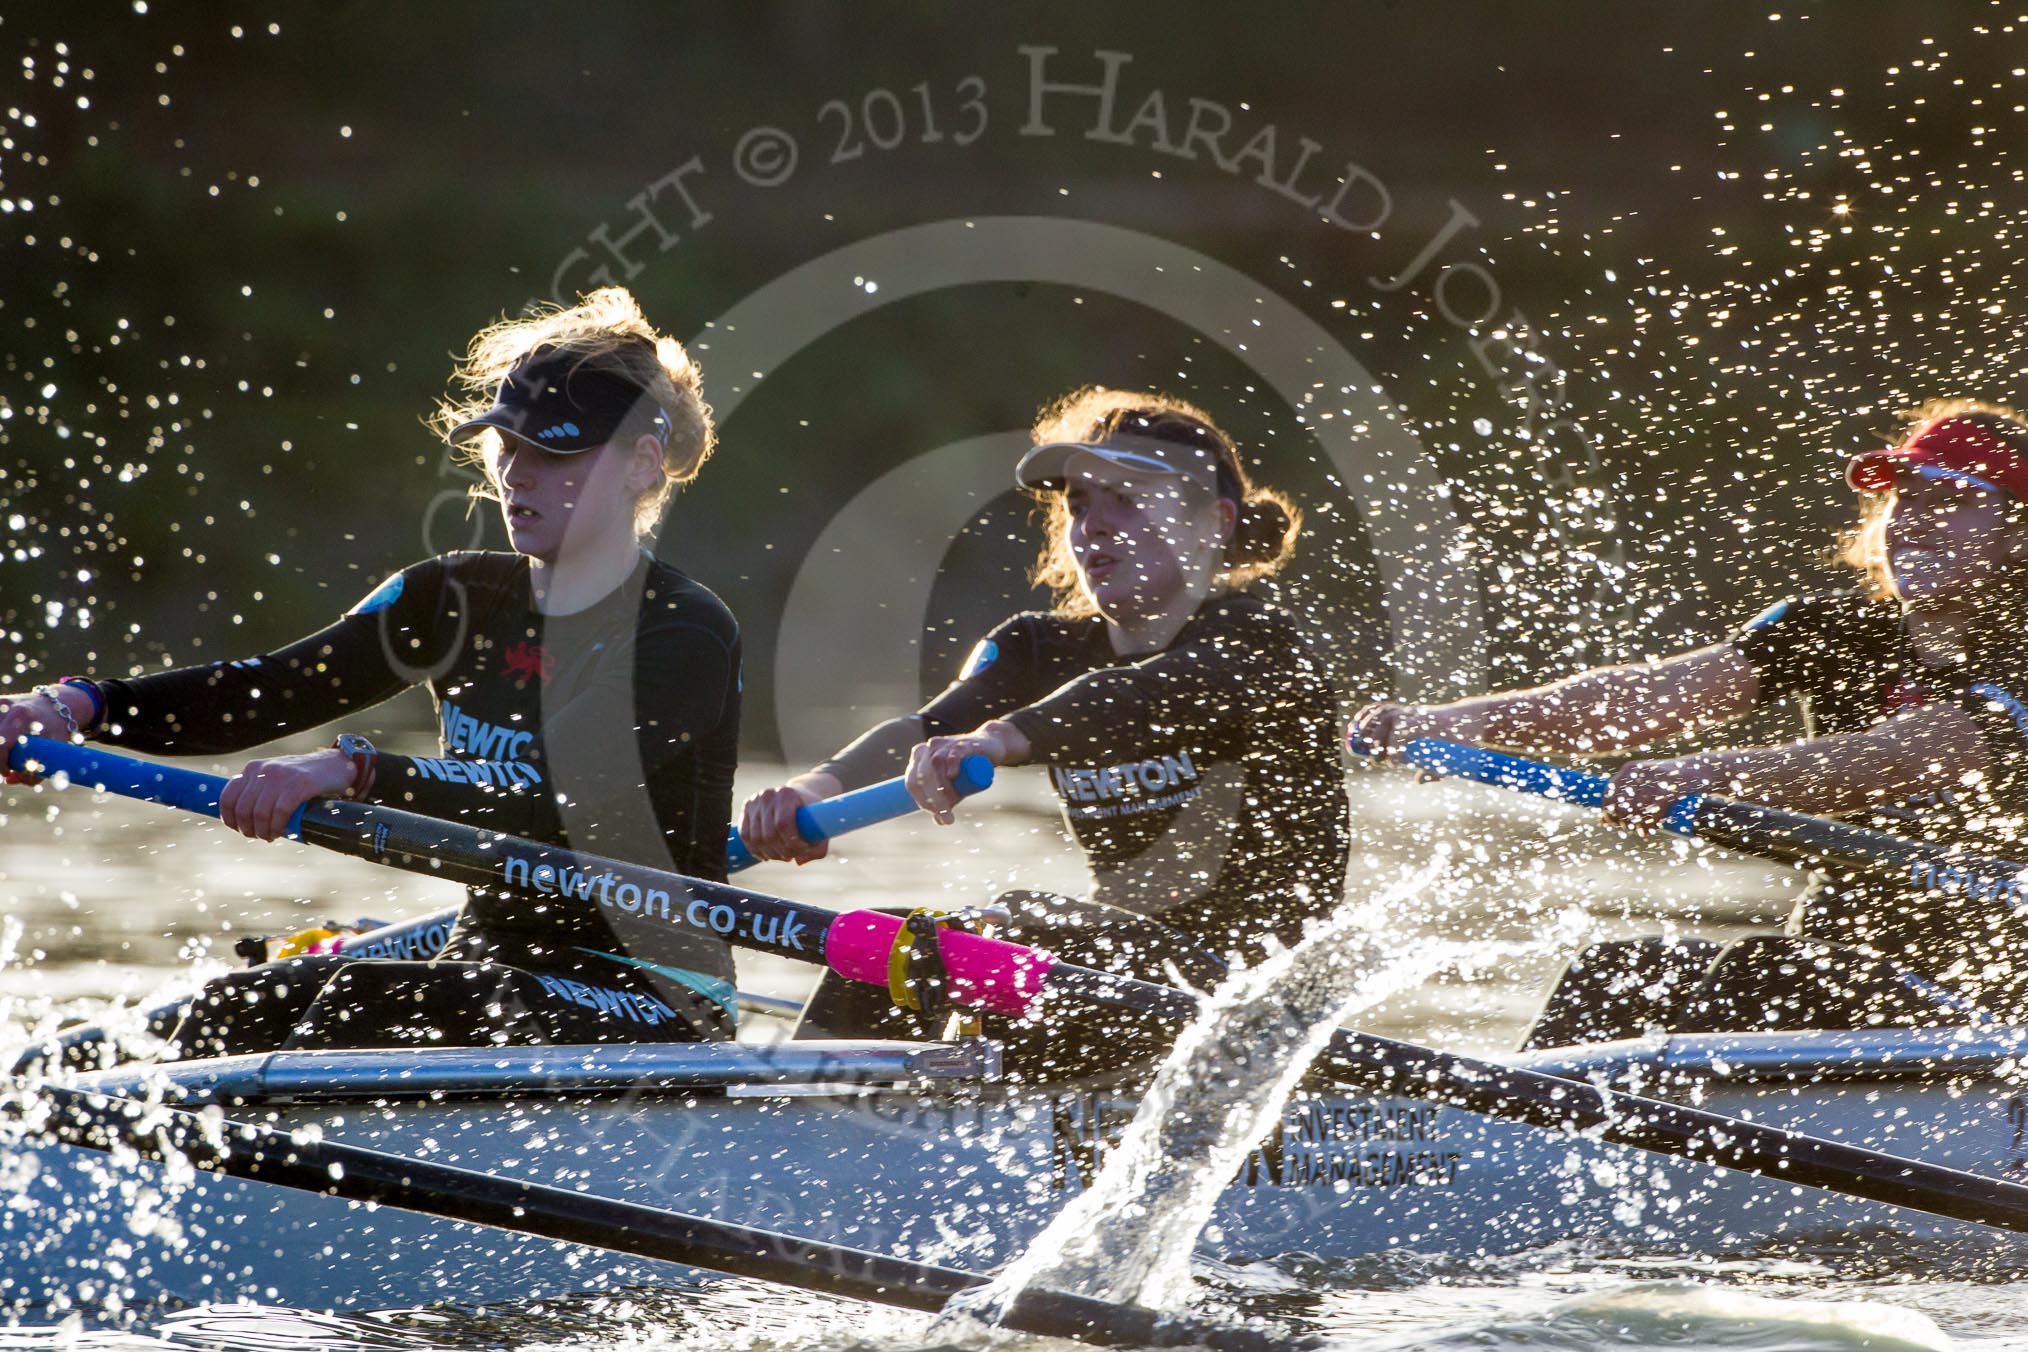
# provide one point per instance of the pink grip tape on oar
(989, 973)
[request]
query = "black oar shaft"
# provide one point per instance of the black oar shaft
(629, 894)
(355, 1173)
(1384, 1066)
(1818, 841)
(1549, 1101)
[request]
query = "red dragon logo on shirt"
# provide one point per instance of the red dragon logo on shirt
(526, 659)
(1904, 693)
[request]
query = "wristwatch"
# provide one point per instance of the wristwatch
(363, 757)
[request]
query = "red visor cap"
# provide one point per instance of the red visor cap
(1952, 448)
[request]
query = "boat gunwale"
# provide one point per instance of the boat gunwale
(1941, 1056)
(796, 1069)
(636, 1071)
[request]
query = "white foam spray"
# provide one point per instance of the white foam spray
(1129, 1238)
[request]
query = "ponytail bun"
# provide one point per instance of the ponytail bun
(1265, 532)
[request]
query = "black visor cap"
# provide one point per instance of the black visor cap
(545, 402)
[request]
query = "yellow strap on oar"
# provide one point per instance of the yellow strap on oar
(302, 941)
(900, 958)
(902, 963)
(315, 939)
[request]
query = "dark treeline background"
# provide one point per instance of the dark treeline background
(241, 242)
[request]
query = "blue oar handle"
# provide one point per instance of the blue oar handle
(130, 778)
(880, 802)
(1792, 837)
(195, 792)
(1458, 761)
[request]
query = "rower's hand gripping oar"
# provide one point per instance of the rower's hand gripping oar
(1749, 828)
(1012, 979)
(880, 802)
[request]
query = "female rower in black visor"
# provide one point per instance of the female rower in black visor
(1187, 729)
(587, 694)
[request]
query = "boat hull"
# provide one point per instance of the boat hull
(902, 1157)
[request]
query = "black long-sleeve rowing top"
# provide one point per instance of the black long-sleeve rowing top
(1849, 663)
(1204, 781)
(613, 730)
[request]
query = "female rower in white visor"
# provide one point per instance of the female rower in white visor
(1187, 729)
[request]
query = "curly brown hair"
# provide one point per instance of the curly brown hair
(607, 332)
(1263, 537)
(1862, 546)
